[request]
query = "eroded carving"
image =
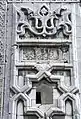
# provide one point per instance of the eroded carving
(45, 53)
(44, 22)
(1, 53)
(2, 37)
(65, 73)
(2, 19)
(22, 77)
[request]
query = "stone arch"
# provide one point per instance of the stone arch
(67, 98)
(19, 100)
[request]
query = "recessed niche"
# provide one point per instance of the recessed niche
(62, 72)
(69, 109)
(31, 117)
(20, 110)
(22, 76)
(58, 116)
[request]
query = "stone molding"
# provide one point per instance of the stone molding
(38, 1)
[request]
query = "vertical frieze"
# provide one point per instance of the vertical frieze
(2, 51)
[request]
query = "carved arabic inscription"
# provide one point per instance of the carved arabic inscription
(45, 53)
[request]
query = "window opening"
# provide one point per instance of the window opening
(38, 97)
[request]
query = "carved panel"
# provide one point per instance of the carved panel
(43, 22)
(24, 72)
(22, 76)
(65, 73)
(56, 54)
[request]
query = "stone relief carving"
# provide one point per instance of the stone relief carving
(2, 30)
(65, 73)
(58, 53)
(2, 39)
(22, 76)
(44, 22)
(27, 92)
(2, 19)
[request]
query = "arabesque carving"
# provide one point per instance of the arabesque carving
(44, 22)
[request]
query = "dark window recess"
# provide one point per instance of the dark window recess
(38, 97)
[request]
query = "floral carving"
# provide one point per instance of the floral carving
(44, 22)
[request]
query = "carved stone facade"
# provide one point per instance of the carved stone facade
(41, 68)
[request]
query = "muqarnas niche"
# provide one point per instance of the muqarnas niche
(59, 54)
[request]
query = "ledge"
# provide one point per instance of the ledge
(33, 64)
(46, 42)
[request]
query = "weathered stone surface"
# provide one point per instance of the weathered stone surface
(2, 50)
(42, 72)
(44, 22)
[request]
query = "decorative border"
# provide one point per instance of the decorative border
(46, 1)
(2, 51)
